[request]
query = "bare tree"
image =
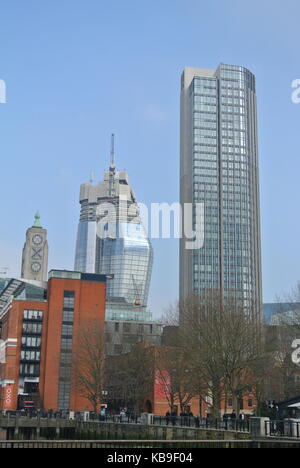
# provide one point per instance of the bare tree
(173, 363)
(88, 363)
(224, 343)
(243, 355)
(174, 373)
(170, 316)
(130, 377)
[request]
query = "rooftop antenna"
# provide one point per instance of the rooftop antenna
(112, 168)
(91, 177)
(112, 151)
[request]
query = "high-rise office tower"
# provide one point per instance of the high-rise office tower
(219, 168)
(111, 240)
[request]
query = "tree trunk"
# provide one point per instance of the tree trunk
(216, 397)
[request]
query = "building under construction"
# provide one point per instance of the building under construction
(111, 240)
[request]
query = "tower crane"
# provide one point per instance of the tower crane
(138, 300)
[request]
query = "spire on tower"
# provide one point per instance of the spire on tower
(112, 168)
(37, 222)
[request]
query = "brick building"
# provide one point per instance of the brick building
(141, 369)
(40, 324)
(122, 336)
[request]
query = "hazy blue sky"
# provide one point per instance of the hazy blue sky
(77, 70)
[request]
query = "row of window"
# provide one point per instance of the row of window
(237, 165)
(236, 125)
(203, 124)
(206, 179)
(205, 157)
(233, 133)
(31, 341)
(30, 369)
(232, 92)
(205, 132)
(205, 140)
(238, 110)
(205, 99)
(211, 281)
(32, 328)
(127, 328)
(205, 149)
(206, 171)
(207, 191)
(229, 151)
(232, 101)
(33, 315)
(205, 108)
(227, 85)
(203, 90)
(30, 355)
(241, 403)
(231, 162)
(235, 188)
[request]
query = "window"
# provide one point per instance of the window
(65, 358)
(68, 316)
(67, 330)
(66, 343)
(65, 373)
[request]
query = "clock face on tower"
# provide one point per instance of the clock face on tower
(36, 267)
(37, 239)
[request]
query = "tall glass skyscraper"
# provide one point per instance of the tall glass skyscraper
(111, 240)
(219, 168)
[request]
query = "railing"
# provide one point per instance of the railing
(203, 423)
(177, 421)
(285, 428)
(235, 425)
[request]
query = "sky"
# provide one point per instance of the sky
(78, 70)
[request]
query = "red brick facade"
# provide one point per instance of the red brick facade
(89, 306)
